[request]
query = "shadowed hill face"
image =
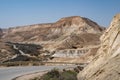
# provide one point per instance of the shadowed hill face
(54, 33)
(1, 33)
(106, 64)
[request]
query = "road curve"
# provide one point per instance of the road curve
(12, 72)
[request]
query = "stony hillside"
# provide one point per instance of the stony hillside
(5, 52)
(68, 33)
(106, 64)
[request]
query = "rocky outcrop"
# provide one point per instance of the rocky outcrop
(82, 55)
(106, 64)
(70, 53)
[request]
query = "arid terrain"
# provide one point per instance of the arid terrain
(59, 40)
(67, 40)
(106, 63)
(70, 40)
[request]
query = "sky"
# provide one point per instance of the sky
(26, 12)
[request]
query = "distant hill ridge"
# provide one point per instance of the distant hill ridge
(38, 32)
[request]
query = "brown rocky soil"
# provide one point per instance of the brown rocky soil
(5, 52)
(106, 64)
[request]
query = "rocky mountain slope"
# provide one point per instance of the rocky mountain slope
(106, 64)
(68, 33)
(64, 33)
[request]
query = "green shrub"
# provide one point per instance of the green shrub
(55, 74)
(52, 75)
(68, 75)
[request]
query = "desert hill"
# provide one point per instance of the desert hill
(60, 32)
(68, 33)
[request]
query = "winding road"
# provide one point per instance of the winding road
(8, 73)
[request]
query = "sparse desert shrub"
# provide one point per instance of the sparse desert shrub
(68, 75)
(52, 75)
(55, 74)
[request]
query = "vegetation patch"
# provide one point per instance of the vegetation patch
(55, 74)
